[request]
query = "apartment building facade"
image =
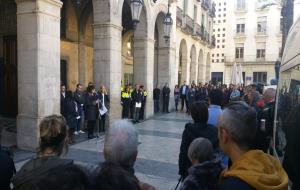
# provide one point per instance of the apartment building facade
(247, 33)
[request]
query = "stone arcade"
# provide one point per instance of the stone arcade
(46, 42)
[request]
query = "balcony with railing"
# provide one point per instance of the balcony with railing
(240, 33)
(179, 17)
(268, 59)
(190, 27)
(212, 10)
(209, 6)
(205, 4)
(197, 30)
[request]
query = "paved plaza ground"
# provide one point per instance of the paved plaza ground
(157, 161)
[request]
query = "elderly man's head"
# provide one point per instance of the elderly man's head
(200, 150)
(269, 95)
(237, 127)
(121, 144)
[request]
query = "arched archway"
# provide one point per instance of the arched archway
(182, 69)
(193, 65)
(161, 66)
(76, 43)
(201, 67)
(207, 75)
(140, 61)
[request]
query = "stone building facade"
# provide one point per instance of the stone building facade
(44, 43)
(249, 35)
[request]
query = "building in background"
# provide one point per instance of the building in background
(249, 35)
(46, 43)
(194, 20)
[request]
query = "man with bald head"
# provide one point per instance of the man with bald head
(266, 120)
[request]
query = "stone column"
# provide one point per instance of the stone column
(167, 70)
(193, 74)
(144, 69)
(201, 73)
(207, 75)
(184, 71)
(38, 24)
(108, 63)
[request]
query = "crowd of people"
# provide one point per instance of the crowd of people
(133, 102)
(227, 146)
(84, 109)
(87, 109)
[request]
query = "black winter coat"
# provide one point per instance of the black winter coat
(37, 167)
(156, 94)
(137, 96)
(62, 105)
(79, 97)
(71, 113)
(235, 183)
(166, 93)
(191, 132)
(7, 169)
(91, 107)
(203, 176)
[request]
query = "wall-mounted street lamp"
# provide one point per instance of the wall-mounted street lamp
(136, 9)
(168, 22)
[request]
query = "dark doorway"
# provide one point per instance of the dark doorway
(10, 98)
(217, 78)
(63, 72)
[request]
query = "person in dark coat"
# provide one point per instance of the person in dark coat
(191, 97)
(264, 132)
(176, 96)
(79, 97)
(183, 95)
(137, 98)
(145, 94)
(63, 100)
(166, 98)
(156, 97)
(200, 128)
(292, 154)
(72, 114)
(204, 174)
(113, 176)
(7, 169)
(104, 101)
(52, 144)
(92, 104)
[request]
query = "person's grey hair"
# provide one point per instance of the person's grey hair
(239, 119)
(201, 150)
(270, 93)
(121, 143)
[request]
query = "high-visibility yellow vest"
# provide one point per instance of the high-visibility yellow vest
(125, 95)
(145, 93)
(122, 88)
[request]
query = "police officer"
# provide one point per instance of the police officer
(126, 102)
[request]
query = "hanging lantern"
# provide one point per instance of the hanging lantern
(136, 9)
(168, 23)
